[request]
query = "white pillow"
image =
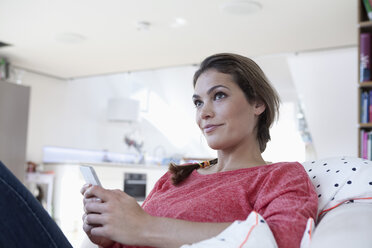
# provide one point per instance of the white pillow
(253, 232)
(339, 180)
(308, 234)
(346, 226)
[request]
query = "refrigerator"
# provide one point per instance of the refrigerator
(14, 112)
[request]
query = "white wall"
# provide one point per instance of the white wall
(327, 85)
(46, 105)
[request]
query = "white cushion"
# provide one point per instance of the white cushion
(253, 232)
(308, 233)
(349, 225)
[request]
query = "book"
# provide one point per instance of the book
(365, 145)
(369, 139)
(361, 143)
(369, 145)
(370, 107)
(365, 57)
(364, 107)
(368, 7)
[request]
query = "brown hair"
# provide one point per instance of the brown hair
(256, 87)
(180, 172)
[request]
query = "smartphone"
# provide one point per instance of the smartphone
(90, 175)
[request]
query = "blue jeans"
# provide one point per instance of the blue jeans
(24, 223)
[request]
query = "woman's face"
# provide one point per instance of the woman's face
(223, 113)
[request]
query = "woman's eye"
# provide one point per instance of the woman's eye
(219, 95)
(197, 103)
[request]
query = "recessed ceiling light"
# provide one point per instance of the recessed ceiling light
(143, 26)
(70, 38)
(241, 7)
(178, 22)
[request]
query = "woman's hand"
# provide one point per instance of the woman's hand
(99, 240)
(113, 215)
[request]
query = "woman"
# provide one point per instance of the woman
(235, 107)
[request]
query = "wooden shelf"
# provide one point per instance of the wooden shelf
(365, 24)
(365, 84)
(365, 125)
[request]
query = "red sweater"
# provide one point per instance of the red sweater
(282, 193)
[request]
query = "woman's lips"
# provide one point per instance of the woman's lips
(210, 128)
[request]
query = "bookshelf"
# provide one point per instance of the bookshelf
(365, 88)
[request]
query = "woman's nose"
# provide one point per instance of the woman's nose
(206, 111)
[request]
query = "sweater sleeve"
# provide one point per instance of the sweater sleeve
(286, 200)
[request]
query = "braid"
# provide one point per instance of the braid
(181, 172)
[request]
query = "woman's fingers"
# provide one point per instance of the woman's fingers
(92, 220)
(99, 231)
(96, 191)
(88, 195)
(84, 188)
(87, 228)
(95, 219)
(92, 199)
(95, 207)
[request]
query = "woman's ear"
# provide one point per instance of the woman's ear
(259, 107)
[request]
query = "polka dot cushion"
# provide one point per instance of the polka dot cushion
(253, 232)
(340, 180)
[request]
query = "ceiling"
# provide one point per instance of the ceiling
(79, 38)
